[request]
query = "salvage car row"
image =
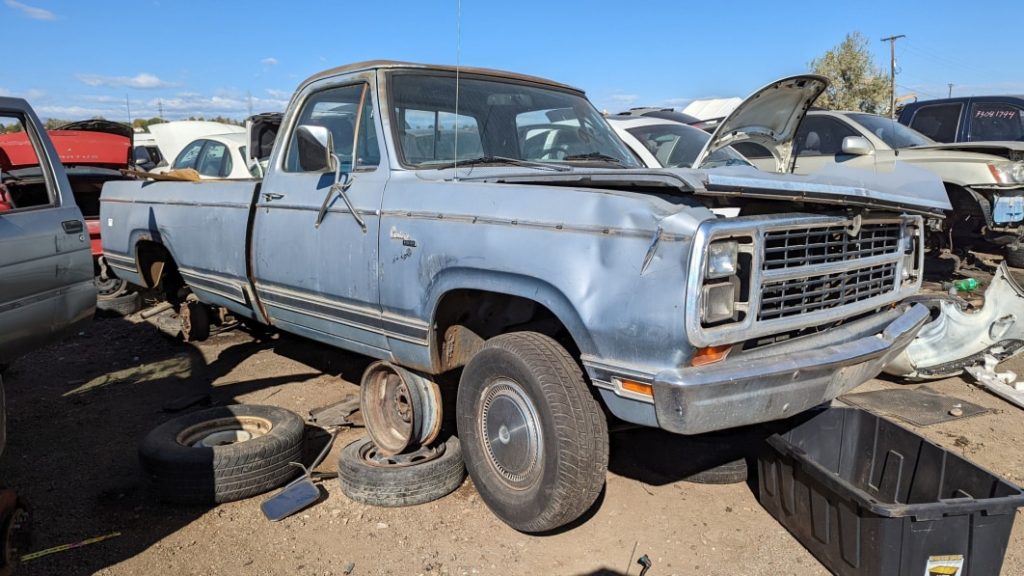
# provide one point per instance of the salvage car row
(558, 267)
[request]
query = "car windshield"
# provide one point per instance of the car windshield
(677, 146)
(498, 122)
(891, 132)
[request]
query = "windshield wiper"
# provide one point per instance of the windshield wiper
(504, 160)
(595, 156)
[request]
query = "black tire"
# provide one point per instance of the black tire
(195, 321)
(184, 474)
(1015, 255)
(729, 473)
(534, 438)
(123, 305)
(408, 485)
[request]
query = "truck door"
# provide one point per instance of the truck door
(319, 279)
(46, 270)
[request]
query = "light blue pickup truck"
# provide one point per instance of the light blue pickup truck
(492, 225)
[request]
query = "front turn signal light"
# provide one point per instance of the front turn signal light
(710, 355)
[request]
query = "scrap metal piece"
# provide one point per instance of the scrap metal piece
(999, 383)
(959, 338)
(337, 414)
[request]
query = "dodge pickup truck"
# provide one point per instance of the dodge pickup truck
(492, 226)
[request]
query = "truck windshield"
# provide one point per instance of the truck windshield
(891, 132)
(498, 119)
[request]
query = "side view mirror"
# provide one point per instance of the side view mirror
(857, 146)
(316, 148)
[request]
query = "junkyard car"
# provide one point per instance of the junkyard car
(216, 156)
(46, 272)
(662, 143)
(986, 190)
(508, 235)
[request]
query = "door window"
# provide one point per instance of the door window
(23, 185)
(214, 160)
(938, 121)
(187, 157)
(996, 121)
(338, 110)
(821, 136)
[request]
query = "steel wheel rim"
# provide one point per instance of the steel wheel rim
(372, 455)
(224, 432)
(511, 432)
(391, 412)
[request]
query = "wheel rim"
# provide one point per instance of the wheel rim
(110, 287)
(224, 432)
(401, 410)
(374, 457)
(511, 432)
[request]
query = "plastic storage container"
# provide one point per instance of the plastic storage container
(868, 497)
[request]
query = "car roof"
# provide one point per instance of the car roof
(638, 121)
(396, 64)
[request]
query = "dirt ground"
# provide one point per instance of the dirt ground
(78, 411)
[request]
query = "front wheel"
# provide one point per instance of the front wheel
(534, 439)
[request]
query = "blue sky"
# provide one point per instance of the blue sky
(79, 59)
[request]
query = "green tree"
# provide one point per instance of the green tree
(855, 82)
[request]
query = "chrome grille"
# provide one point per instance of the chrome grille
(807, 246)
(794, 296)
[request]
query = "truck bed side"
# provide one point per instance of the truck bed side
(204, 228)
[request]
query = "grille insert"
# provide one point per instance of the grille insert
(785, 298)
(807, 246)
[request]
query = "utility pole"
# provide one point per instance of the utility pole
(950, 90)
(892, 72)
(160, 107)
(128, 106)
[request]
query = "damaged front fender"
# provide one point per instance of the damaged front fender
(958, 338)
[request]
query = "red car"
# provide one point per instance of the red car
(92, 152)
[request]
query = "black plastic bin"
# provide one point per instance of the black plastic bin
(868, 497)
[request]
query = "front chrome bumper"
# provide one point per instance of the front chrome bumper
(785, 379)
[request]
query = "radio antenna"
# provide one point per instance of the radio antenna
(458, 55)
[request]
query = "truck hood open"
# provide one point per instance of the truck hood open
(75, 147)
(768, 117)
(906, 188)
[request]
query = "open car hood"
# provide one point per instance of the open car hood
(769, 117)
(74, 148)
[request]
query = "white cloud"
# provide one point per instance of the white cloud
(5, 92)
(279, 94)
(676, 102)
(624, 99)
(142, 80)
(31, 11)
(269, 61)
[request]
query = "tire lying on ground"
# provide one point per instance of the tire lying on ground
(122, 305)
(222, 454)
(402, 480)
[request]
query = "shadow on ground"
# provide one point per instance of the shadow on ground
(78, 411)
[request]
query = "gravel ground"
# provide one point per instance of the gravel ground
(79, 409)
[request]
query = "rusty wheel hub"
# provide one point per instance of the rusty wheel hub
(402, 410)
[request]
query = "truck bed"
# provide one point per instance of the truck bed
(208, 244)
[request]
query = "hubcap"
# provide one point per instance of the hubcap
(511, 431)
(224, 432)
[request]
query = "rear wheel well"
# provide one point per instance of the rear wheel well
(465, 318)
(157, 267)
